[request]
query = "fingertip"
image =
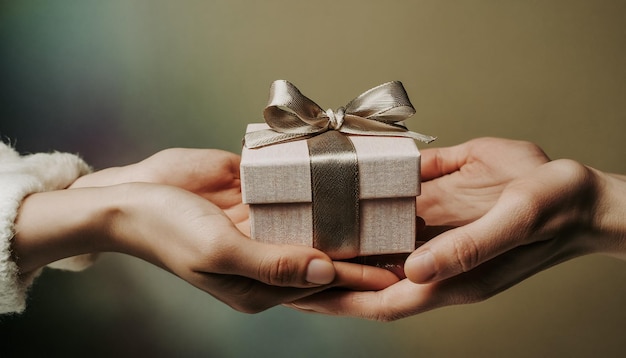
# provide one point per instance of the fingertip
(282, 264)
(320, 272)
(362, 277)
(421, 267)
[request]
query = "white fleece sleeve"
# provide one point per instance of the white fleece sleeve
(19, 177)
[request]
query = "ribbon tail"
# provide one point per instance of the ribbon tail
(424, 138)
(406, 134)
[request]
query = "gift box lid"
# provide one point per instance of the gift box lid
(389, 167)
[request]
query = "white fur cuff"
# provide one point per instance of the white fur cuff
(19, 177)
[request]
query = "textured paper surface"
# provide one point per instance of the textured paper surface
(387, 225)
(276, 182)
(388, 168)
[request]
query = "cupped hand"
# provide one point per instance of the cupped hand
(520, 215)
(211, 173)
(461, 183)
(182, 212)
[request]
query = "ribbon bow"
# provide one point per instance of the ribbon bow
(376, 112)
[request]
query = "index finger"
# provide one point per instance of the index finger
(400, 300)
(437, 162)
(247, 295)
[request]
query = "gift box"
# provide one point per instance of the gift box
(325, 184)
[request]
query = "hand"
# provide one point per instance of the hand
(213, 174)
(463, 182)
(520, 214)
(123, 210)
(188, 236)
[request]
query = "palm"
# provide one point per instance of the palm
(461, 183)
(210, 173)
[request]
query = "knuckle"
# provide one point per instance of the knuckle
(278, 271)
(466, 251)
(439, 160)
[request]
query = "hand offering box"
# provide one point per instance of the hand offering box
(344, 182)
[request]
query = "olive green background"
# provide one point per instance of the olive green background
(119, 80)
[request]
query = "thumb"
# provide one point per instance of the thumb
(461, 249)
(531, 208)
(279, 265)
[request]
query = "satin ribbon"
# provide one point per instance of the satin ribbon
(335, 195)
(334, 166)
(292, 116)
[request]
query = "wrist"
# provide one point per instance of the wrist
(58, 224)
(609, 212)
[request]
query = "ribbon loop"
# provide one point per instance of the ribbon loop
(387, 103)
(378, 111)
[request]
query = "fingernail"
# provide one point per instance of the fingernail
(320, 272)
(420, 268)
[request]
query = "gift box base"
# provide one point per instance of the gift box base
(387, 225)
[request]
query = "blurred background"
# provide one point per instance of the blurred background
(119, 80)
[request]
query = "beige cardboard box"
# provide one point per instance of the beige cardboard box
(276, 183)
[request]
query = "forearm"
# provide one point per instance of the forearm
(137, 219)
(58, 224)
